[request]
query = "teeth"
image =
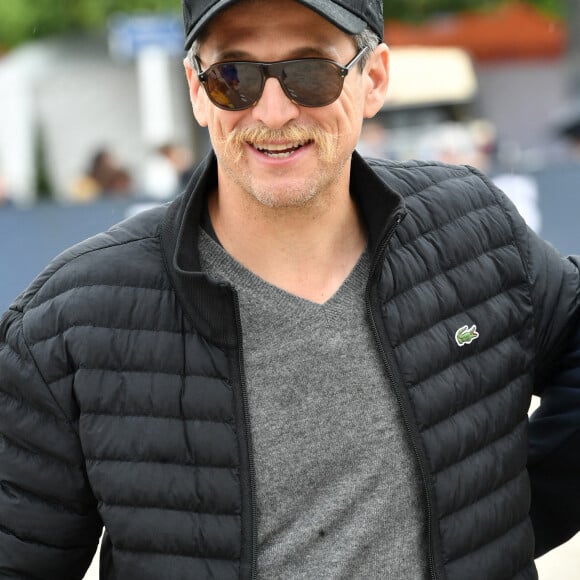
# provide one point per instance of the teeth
(282, 155)
(279, 150)
(274, 148)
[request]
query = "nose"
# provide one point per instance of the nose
(275, 109)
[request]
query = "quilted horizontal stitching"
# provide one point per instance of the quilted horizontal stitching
(416, 283)
(168, 508)
(118, 548)
(471, 552)
(403, 166)
(149, 462)
(457, 173)
(481, 449)
(40, 453)
(483, 497)
(32, 406)
(82, 254)
(111, 328)
(411, 182)
(37, 542)
(168, 290)
(477, 402)
(415, 193)
(179, 373)
(151, 416)
(69, 423)
(19, 357)
(5, 345)
(467, 306)
(53, 502)
(464, 360)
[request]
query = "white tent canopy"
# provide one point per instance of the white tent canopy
(430, 75)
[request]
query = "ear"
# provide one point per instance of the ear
(377, 72)
(197, 94)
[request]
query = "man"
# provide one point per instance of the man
(307, 366)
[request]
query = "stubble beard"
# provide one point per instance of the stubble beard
(293, 192)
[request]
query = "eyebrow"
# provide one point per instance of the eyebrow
(304, 52)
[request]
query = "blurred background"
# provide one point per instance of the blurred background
(95, 122)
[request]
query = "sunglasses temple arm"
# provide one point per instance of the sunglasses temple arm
(356, 58)
(200, 74)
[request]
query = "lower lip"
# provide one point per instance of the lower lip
(279, 161)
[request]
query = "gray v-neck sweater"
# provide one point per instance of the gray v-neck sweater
(337, 490)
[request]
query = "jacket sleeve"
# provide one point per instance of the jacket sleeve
(49, 526)
(554, 460)
(554, 453)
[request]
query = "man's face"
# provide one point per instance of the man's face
(280, 153)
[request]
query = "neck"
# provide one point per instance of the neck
(307, 251)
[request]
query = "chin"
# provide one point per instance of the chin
(282, 201)
(285, 196)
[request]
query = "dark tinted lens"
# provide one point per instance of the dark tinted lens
(311, 82)
(234, 85)
(308, 82)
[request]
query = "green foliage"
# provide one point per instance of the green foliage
(22, 20)
(43, 185)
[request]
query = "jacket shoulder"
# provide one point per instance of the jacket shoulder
(126, 254)
(412, 177)
(437, 194)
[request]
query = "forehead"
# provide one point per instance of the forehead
(250, 26)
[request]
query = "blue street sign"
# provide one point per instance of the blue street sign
(130, 34)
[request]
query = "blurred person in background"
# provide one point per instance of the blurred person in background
(105, 177)
(4, 196)
(167, 171)
(308, 365)
(571, 137)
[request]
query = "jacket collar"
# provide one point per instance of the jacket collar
(210, 305)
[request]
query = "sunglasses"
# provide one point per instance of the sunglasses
(308, 82)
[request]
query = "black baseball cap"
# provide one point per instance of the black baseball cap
(351, 16)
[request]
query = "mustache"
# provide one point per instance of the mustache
(325, 142)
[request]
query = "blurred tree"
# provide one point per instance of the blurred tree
(22, 20)
(43, 185)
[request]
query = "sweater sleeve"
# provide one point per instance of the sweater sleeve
(49, 526)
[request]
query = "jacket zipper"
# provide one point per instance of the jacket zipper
(394, 381)
(248, 435)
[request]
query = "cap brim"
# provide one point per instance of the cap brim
(217, 7)
(337, 15)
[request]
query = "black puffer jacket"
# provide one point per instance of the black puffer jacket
(122, 395)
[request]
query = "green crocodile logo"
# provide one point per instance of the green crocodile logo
(466, 335)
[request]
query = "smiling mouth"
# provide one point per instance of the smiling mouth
(279, 151)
